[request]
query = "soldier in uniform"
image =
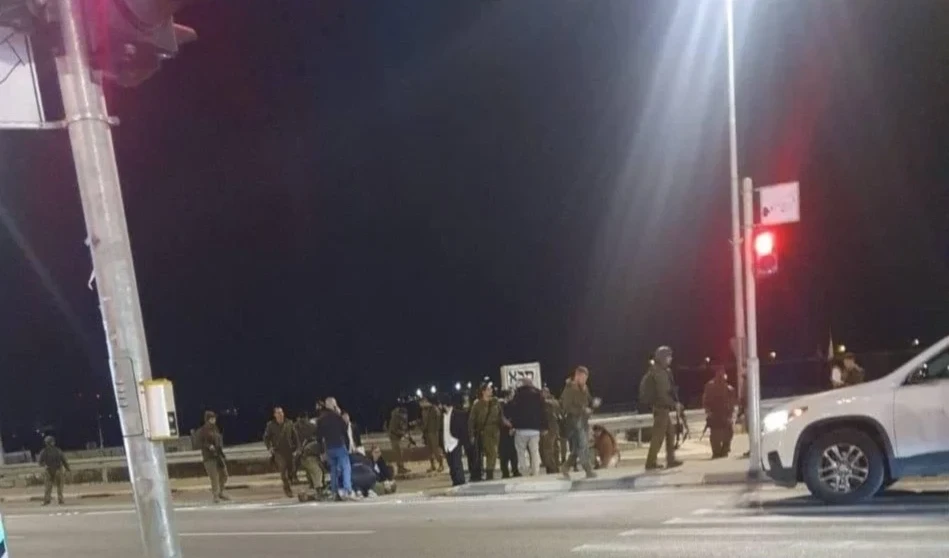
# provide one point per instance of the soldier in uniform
(564, 432)
(719, 402)
(431, 427)
(577, 407)
(211, 444)
(550, 440)
(484, 428)
(398, 428)
(280, 437)
(309, 453)
(54, 461)
(657, 390)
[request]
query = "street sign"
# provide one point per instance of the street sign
(780, 204)
(20, 101)
(512, 374)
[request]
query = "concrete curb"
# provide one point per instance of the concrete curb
(629, 482)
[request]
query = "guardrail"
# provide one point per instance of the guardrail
(618, 424)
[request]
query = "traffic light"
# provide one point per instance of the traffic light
(128, 39)
(766, 257)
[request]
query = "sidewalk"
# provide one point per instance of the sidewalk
(77, 492)
(698, 469)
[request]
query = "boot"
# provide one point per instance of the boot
(490, 475)
(565, 471)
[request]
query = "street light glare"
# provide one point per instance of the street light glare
(457, 386)
(432, 390)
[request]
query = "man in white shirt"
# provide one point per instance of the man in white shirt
(454, 429)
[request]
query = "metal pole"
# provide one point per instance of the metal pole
(735, 195)
(754, 376)
(108, 240)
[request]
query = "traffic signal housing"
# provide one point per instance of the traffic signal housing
(766, 255)
(129, 39)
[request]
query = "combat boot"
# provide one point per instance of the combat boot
(490, 475)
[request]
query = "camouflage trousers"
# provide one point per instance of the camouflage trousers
(550, 451)
(54, 477)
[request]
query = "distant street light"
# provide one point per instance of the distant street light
(652, 362)
(469, 385)
(774, 355)
(432, 390)
(457, 386)
(708, 360)
(418, 392)
(915, 342)
(841, 348)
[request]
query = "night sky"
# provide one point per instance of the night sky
(356, 198)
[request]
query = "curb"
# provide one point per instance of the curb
(628, 482)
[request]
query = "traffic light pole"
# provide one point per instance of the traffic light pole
(94, 156)
(735, 203)
(753, 410)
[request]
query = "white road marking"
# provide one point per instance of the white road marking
(643, 547)
(826, 511)
(750, 531)
(719, 520)
(277, 534)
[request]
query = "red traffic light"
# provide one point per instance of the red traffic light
(764, 244)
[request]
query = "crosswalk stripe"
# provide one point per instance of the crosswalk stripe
(827, 511)
(754, 532)
(725, 520)
(643, 547)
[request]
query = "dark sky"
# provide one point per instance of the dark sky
(354, 198)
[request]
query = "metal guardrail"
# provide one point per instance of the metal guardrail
(616, 423)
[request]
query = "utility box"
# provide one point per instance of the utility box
(161, 418)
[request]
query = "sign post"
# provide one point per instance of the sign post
(512, 374)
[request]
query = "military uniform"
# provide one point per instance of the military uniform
(211, 444)
(484, 427)
(431, 430)
(309, 453)
(719, 401)
(54, 461)
(657, 390)
(397, 429)
(576, 403)
(550, 440)
(281, 440)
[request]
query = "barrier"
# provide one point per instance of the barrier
(97, 469)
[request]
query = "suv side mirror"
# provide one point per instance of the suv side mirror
(918, 376)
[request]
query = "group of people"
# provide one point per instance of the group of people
(328, 448)
(523, 431)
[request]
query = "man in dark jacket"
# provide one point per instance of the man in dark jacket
(455, 439)
(719, 401)
(54, 461)
(507, 452)
(211, 444)
(528, 415)
(280, 437)
(333, 431)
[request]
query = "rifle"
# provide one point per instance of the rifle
(682, 427)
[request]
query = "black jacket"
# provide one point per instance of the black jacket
(527, 410)
(458, 428)
(332, 430)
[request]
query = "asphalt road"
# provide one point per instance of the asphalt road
(679, 523)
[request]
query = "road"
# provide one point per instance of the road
(679, 523)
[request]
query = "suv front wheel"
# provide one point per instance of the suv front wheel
(844, 467)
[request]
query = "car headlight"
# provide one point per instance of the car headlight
(779, 420)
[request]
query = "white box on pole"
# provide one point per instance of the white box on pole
(779, 204)
(161, 415)
(512, 374)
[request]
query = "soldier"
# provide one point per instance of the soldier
(398, 428)
(507, 453)
(719, 402)
(309, 453)
(431, 427)
(280, 437)
(211, 444)
(563, 431)
(657, 390)
(484, 428)
(550, 440)
(54, 461)
(577, 407)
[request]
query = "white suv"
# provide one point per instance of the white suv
(849, 444)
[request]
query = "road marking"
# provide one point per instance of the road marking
(720, 520)
(827, 511)
(744, 532)
(642, 547)
(277, 533)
